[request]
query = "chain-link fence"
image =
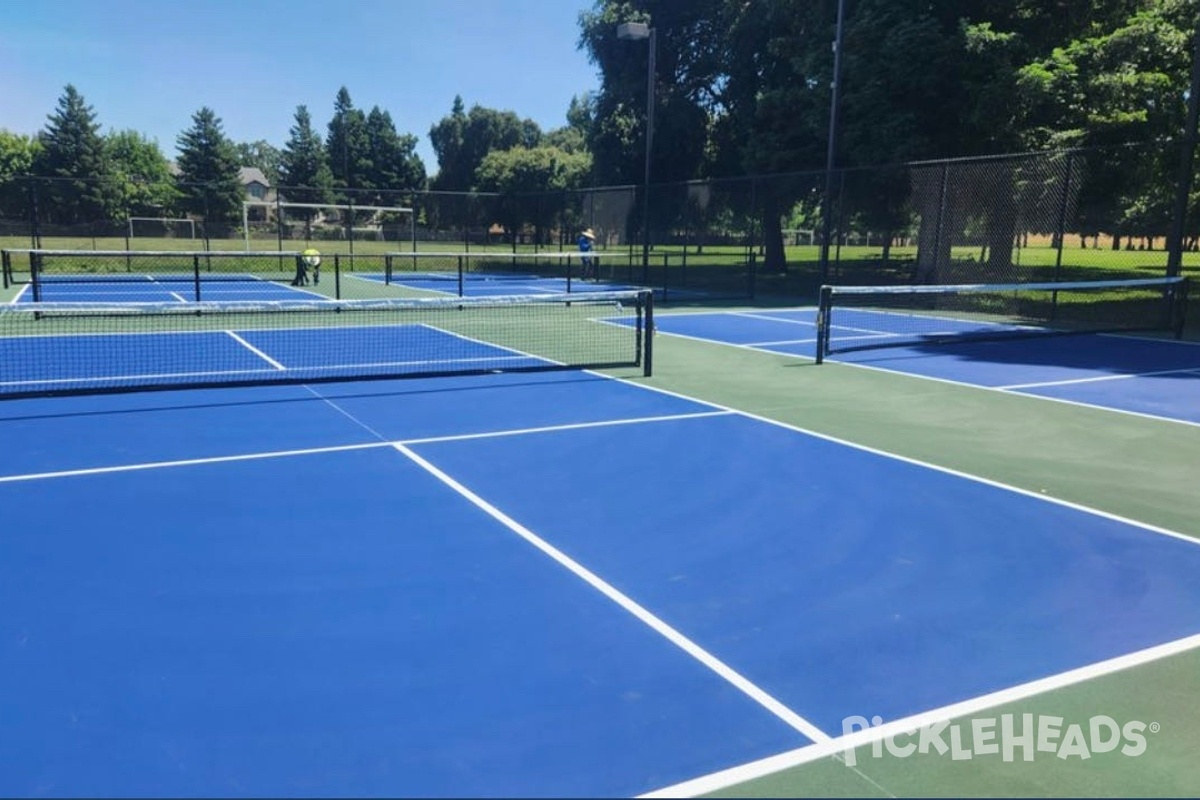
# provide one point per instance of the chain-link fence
(1069, 215)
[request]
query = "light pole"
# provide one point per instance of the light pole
(636, 31)
(831, 144)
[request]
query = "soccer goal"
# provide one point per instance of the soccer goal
(327, 222)
(799, 236)
(162, 228)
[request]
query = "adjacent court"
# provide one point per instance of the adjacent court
(1156, 377)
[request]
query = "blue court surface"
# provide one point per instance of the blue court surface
(1155, 377)
(490, 285)
(478, 284)
(522, 585)
(62, 362)
(152, 289)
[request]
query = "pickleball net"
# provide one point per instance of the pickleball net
(610, 266)
(42, 267)
(854, 318)
(86, 348)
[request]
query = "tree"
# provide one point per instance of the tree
(304, 168)
(72, 152)
(689, 36)
(347, 146)
(531, 172)
(462, 140)
(17, 155)
(304, 164)
(395, 165)
(141, 175)
(573, 137)
(261, 154)
(208, 170)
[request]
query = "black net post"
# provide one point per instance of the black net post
(646, 332)
(823, 322)
(461, 291)
(337, 276)
(5, 266)
(1177, 301)
(35, 276)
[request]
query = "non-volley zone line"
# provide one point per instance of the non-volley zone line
(843, 744)
(415, 441)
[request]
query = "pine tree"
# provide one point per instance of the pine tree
(304, 167)
(395, 166)
(347, 146)
(73, 152)
(208, 170)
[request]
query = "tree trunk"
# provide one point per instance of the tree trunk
(774, 257)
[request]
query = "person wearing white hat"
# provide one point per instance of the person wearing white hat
(585, 246)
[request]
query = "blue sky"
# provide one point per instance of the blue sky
(149, 65)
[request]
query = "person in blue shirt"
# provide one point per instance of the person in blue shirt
(585, 246)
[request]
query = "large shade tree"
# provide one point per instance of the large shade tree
(17, 155)
(141, 175)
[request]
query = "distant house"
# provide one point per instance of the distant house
(257, 187)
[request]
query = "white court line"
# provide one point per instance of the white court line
(809, 753)
(1098, 378)
(569, 426)
(782, 342)
(772, 318)
(17, 296)
(727, 673)
(188, 462)
(40, 382)
(256, 351)
(464, 437)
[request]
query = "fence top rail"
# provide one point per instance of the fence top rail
(1061, 286)
(541, 254)
(155, 253)
(345, 206)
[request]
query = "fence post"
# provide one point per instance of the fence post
(35, 232)
(1061, 233)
